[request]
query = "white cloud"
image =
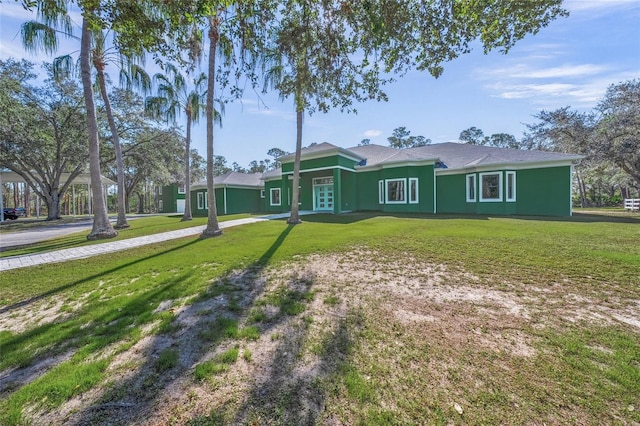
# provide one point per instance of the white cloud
(372, 133)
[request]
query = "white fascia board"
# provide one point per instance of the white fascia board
(505, 166)
(320, 154)
(319, 169)
(403, 163)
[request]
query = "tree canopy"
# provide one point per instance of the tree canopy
(401, 138)
(42, 130)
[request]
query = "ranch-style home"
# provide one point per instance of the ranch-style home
(439, 178)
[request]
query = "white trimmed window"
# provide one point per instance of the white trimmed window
(181, 189)
(396, 191)
(491, 187)
(380, 192)
(159, 190)
(274, 194)
(413, 190)
(262, 193)
(471, 188)
(160, 206)
(202, 201)
(511, 186)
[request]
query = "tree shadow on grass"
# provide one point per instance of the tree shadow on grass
(208, 324)
(60, 289)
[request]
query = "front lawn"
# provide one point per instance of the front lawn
(351, 319)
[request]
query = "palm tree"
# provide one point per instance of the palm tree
(213, 227)
(101, 226)
(174, 96)
(130, 74)
(43, 35)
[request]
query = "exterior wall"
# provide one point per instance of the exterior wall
(451, 194)
(349, 191)
(425, 188)
(367, 191)
(243, 200)
(239, 200)
(539, 192)
(285, 190)
(545, 192)
(317, 163)
(169, 198)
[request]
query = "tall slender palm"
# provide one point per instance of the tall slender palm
(175, 96)
(100, 55)
(213, 227)
(101, 226)
(43, 36)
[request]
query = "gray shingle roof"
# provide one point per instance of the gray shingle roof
(458, 155)
(234, 179)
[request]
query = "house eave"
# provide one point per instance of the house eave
(324, 153)
(394, 164)
(509, 166)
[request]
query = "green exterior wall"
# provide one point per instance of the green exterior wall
(539, 192)
(318, 163)
(239, 200)
(367, 191)
(169, 198)
(545, 192)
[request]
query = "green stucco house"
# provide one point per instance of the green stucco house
(170, 198)
(440, 178)
(235, 193)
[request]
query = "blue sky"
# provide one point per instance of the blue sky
(569, 63)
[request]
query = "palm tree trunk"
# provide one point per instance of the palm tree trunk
(187, 172)
(121, 222)
(101, 226)
(294, 218)
(213, 228)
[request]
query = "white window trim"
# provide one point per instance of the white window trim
(271, 191)
(475, 187)
(182, 189)
(511, 199)
(417, 200)
(262, 193)
(160, 190)
(160, 205)
(386, 190)
(200, 201)
(491, 200)
(381, 192)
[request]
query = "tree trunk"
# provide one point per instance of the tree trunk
(294, 218)
(140, 202)
(213, 228)
(187, 172)
(53, 205)
(581, 190)
(101, 226)
(121, 221)
(27, 200)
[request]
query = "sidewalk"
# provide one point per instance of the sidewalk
(14, 262)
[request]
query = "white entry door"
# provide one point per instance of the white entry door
(180, 206)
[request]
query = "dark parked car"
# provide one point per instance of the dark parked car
(21, 211)
(10, 213)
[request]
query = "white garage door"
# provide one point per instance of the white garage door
(180, 206)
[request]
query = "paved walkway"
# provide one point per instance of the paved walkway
(14, 262)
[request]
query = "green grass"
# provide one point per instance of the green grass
(377, 367)
(138, 227)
